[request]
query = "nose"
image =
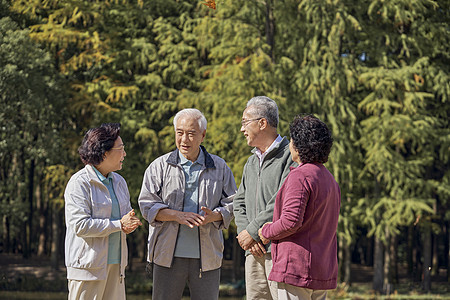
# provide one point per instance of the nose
(124, 153)
(184, 137)
(242, 128)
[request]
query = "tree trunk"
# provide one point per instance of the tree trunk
(369, 251)
(447, 227)
(40, 207)
(377, 282)
(387, 283)
(54, 249)
(130, 246)
(142, 251)
(23, 243)
(427, 251)
(418, 266)
(435, 254)
(394, 258)
(237, 261)
(362, 256)
(6, 235)
(347, 263)
(270, 28)
(141, 244)
(13, 189)
(341, 258)
(29, 224)
(410, 250)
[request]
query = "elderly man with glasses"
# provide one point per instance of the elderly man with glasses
(263, 176)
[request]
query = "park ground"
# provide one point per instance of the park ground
(21, 278)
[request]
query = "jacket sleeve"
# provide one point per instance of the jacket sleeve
(78, 212)
(266, 215)
(239, 207)
(294, 201)
(150, 201)
(226, 202)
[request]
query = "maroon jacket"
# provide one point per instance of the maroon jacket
(303, 232)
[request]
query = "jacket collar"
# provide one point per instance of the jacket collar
(284, 142)
(93, 176)
(209, 162)
(91, 173)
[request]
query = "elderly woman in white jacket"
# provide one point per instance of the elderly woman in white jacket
(98, 217)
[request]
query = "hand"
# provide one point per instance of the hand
(245, 240)
(258, 250)
(210, 216)
(263, 239)
(130, 222)
(189, 218)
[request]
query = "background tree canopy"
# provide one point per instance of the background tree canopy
(377, 72)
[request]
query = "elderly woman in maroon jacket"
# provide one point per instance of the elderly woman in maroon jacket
(303, 231)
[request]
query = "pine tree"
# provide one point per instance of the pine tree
(31, 101)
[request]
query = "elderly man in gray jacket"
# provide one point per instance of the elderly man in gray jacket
(264, 173)
(187, 198)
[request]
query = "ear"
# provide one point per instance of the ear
(203, 135)
(263, 124)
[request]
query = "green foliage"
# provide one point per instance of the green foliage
(31, 101)
(377, 72)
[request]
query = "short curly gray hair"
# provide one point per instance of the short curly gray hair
(264, 107)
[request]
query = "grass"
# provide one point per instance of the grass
(139, 288)
(406, 291)
(35, 279)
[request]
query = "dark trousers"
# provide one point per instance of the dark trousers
(169, 283)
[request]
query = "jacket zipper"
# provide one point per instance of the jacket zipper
(200, 253)
(175, 247)
(178, 231)
(122, 241)
(199, 239)
(120, 272)
(257, 188)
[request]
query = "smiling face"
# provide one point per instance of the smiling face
(188, 137)
(113, 158)
(250, 127)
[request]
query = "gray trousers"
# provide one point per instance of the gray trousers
(169, 283)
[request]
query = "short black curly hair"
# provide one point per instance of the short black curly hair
(311, 138)
(97, 141)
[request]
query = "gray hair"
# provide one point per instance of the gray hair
(264, 107)
(191, 113)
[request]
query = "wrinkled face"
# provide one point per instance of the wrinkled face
(115, 156)
(188, 137)
(294, 153)
(250, 127)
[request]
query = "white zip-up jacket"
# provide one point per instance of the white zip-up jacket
(163, 187)
(88, 207)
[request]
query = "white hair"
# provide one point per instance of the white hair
(265, 107)
(191, 113)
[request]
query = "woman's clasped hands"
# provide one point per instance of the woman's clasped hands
(130, 222)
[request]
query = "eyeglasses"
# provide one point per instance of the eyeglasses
(244, 123)
(121, 147)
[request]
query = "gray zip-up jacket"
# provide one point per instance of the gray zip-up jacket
(255, 198)
(88, 208)
(163, 187)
